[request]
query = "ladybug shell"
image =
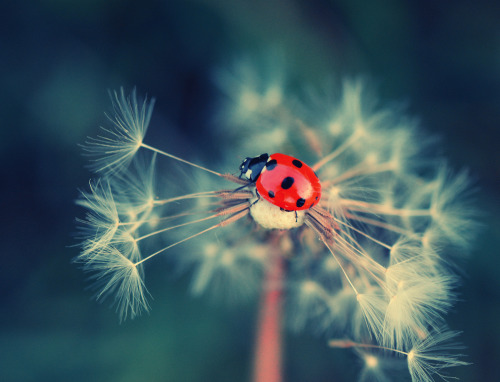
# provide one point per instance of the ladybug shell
(289, 183)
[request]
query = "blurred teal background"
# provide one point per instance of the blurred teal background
(58, 59)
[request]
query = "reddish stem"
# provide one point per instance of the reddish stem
(267, 366)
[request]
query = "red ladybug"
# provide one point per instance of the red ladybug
(283, 181)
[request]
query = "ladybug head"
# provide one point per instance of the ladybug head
(251, 167)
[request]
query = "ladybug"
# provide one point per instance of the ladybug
(283, 181)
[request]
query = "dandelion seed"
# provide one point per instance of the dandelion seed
(117, 146)
(432, 355)
(115, 275)
(373, 308)
(449, 208)
(102, 220)
(428, 357)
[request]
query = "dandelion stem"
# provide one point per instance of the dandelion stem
(267, 364)
(180, 159)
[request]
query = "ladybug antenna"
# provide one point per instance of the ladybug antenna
(244, 186)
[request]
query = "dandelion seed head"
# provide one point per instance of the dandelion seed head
(370, 260)
(269, 216)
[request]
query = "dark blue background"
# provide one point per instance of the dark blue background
(57, 61)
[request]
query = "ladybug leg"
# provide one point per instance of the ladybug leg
(255, 201)
(296, 216)
(244, 186)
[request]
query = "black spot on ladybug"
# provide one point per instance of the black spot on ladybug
(287, 183)
(300, 202)
(271, 164)
(271, 194)
(297, 163)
